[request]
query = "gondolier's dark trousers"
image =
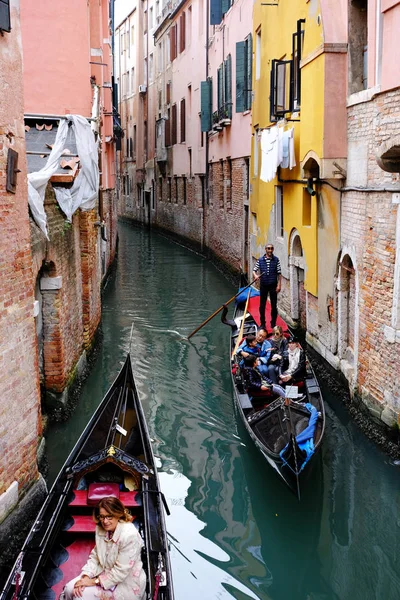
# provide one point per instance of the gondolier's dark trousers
(273, 297)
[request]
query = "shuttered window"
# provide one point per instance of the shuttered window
(244, 52)
(217, 10)
(168, 129)
(5, 22)
(220, 87)
(183, 120)
(206, 105)
(172, 43)
(174, 125)
(228, 86)
(182, 32)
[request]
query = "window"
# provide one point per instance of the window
(206, 104)
(174, 125)
(279, 211)
(169, 189)
(229, 184)
(189, 27)
(183, 120)
(132, 80)
(358, 45)
(176, 190)
(182, 32)
(306, 208)
(160, 179)
(281, 96)
(244, 52)
(168, 129)
(184, 190)
(172, 43)
(5, 22)
(222, 183)
(255, 154)
(132, 36)
(134, 141)
(258, 55)
(217, 10)
(145, 21)
(297, 48)
(168, 93)
(151, 23)
(151, 74)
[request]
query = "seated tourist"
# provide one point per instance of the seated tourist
(279, 349)
(255, 382)
(259, 339)
(293, 367)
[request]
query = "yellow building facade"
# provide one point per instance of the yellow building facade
(299, 94)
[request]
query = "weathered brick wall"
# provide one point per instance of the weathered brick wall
(225, 214)
(71, 308)
(19, 381)
(220, 228)
(369, 235)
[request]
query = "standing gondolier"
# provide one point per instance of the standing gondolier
(268, 271)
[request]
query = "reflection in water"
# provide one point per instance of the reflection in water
(236, 531)
(195, 559)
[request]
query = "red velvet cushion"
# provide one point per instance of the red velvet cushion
(97, 491)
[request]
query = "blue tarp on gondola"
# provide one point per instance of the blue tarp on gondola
(305, 439)
(244, 292)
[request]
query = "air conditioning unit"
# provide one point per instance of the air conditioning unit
(142, 88)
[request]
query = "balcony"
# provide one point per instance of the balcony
(222, 117)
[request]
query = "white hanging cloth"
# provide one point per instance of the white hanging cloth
(83, 192)
(277, 149)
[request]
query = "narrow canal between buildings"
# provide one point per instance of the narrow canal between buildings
(235, 530)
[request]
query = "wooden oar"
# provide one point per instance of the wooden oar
(220, 308)
(239, 337)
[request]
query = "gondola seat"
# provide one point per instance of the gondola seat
(97, 491)
(129, 499)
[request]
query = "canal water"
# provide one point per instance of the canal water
(235, 530)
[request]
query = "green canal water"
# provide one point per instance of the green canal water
(235, 530)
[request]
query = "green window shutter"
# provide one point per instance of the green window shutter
(249, 64)
(215, 12)
(220, 88)
(5, 23)
(240, 76)
(228, 86)
(206, 105)
(225, 5)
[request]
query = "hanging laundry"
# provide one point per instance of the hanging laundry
(269, 153)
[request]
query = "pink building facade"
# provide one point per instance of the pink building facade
(197, 184)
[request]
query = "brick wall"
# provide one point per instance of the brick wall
(369, 235)
(19, 382)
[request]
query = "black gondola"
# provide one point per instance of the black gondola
(114, 449)
(276, 424)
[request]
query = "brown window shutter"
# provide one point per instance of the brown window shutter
(172, 42)
(174, 125)
(183, 120)
(168, 92)
(182, 40)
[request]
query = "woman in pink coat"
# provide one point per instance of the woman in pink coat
(114, 570)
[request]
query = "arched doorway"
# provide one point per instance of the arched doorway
(347, 311)
(298, 297)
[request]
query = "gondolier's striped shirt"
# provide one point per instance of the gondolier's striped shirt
(271, 268)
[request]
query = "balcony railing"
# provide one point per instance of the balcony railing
(222, 117)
